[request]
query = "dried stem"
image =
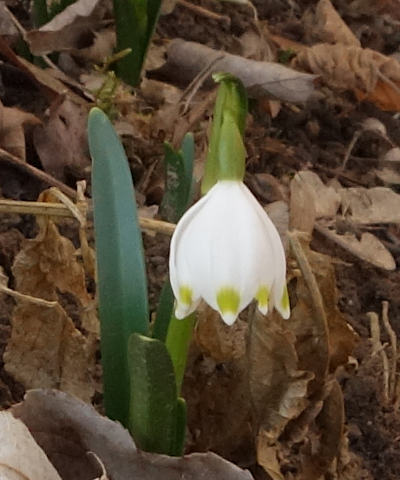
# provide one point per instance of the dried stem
(60, 210)
(378, 347)
(393, 344)
(35, 172)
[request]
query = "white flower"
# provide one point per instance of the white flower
(226, 250)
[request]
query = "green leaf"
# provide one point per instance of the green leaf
(164, 312)
(178, 342)
(180, 426)
(155, 419)
(178, 179)
(122, 286)
(135, 23)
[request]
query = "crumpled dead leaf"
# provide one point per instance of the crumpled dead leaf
(261, 78)
(12, 134)
(46, 348)
(219, 341)
(67, 429)
(310, 199)
(67, 29)
(370, 205)
(368, 248)
(328, 26)
(20, 456)
(372, 75)
(62, 143)
(278, 387)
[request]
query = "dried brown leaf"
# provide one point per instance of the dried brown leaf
(218, 340)
(66, 30)
(302, 206)
(278, 387)
(12, 134)
(330, 423)
(45, 348)
(261, 78)
(20, 456)
(103, 45)
(372, 75)
(368, 248)
(67, 429)
(62, 143)
(267, 457)
(322, 344)
(325, 198)
(328, 26)
(371, 205)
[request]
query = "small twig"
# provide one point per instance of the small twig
(352, 144)
(204, 12)
(377, 347)
(63, 77)
(197, 82)
(393, 344)
(28, 298)
(14, 161)
(308, 276)
(60, 210)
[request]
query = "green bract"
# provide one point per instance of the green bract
(226, 153)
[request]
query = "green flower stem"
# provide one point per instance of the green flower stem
(178, 340)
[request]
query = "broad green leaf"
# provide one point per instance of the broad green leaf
(135, 22)
(122, 286)
(155, 419)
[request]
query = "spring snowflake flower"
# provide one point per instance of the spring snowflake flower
(226, 250)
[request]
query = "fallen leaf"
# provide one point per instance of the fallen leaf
(67, 29)
(261, 78)
(370, 205)
(20, 456)
(278, 386)
(369, 248)
(267, 457)
(219, 341)
(12, 132)
(324, 339)
(7, 26)
(104, 42)
(303, 212)
(373, 76)
(328, 26)
(67, 429)
(46, 348)
(62, 142)
(330, 422)
(325, 199)
(45, 79)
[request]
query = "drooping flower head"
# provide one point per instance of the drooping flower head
(226, 250)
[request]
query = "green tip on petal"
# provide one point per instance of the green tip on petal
(185, 295)
(285, 306)
(228, 300)
(262, 297)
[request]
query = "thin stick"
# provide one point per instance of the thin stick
(377, 346)
(14, 161)
(60, 210)
(393, 344)
(204, 12)
(315, 294)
